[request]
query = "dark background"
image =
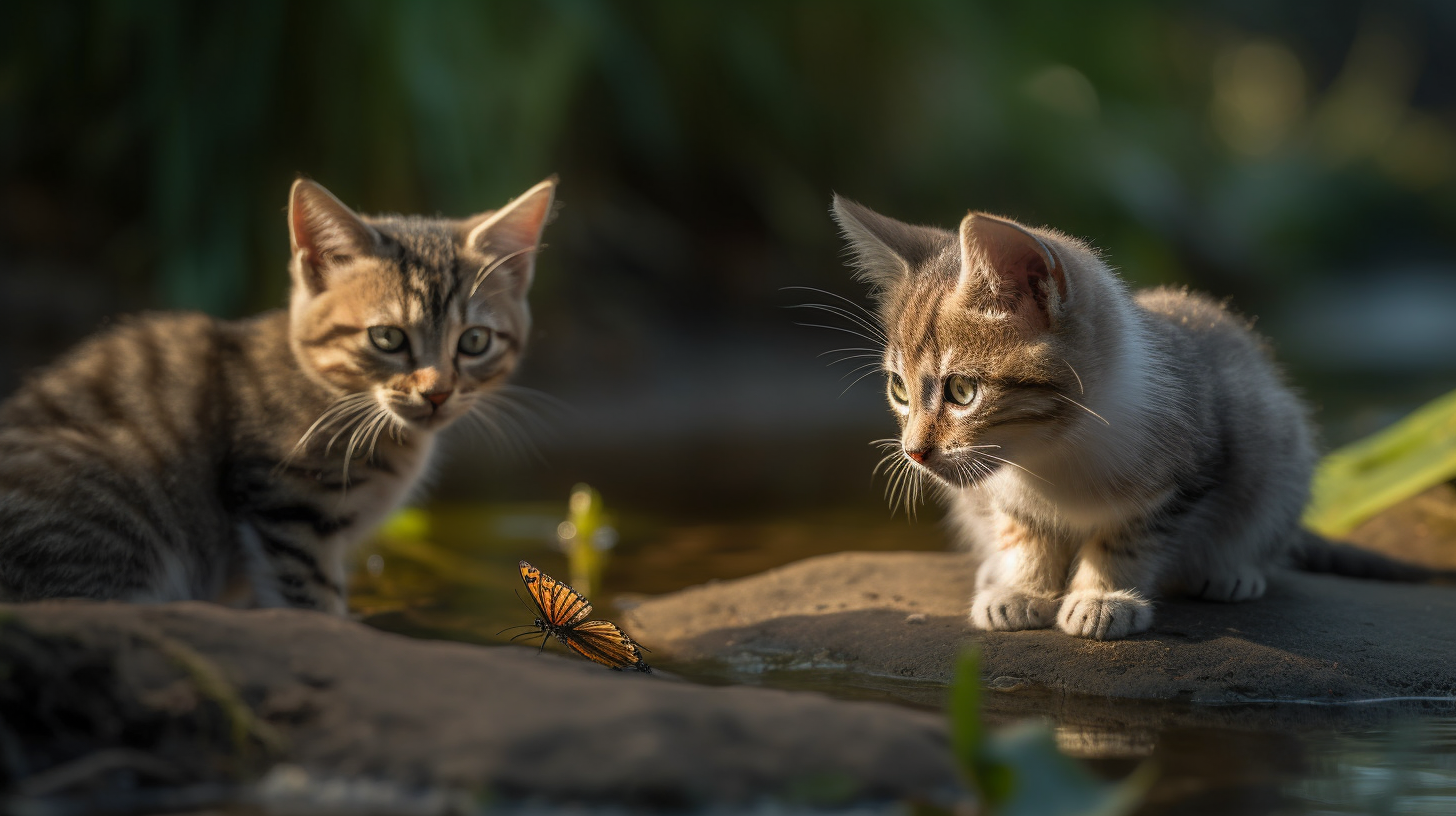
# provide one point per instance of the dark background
(1298, 158)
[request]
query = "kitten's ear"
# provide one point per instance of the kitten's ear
(1021, 271)
(884, 250)
(509, 237)
(323, 234)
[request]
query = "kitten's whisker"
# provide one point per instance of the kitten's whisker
(380, 424)
(856, 382)
(1011, 463)
(855, 304)
(503, 410)
(872, 328)
(500, 443)
(521, 394)
(838, 328)
(512, 410)
(892, 475)
(507, 439)
(522, 435)
(853, 371)
(887, 457)
(875, 357)
(1080, 389)
(356, 419)
(848, 348)
(331, 414)
(486, 270)
(360, 432)
(898, 485)
(1083, 407)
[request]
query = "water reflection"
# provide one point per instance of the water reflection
(451, 574)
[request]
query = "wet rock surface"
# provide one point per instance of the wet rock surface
(1313, 637)
(102, 696)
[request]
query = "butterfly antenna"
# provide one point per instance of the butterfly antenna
(534, 611)
(521, 635)
(522, 626)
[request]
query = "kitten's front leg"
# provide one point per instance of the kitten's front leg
(297, 570)
(1109, 594)
(1018, 583)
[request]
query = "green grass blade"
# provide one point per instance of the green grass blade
(1361, 479)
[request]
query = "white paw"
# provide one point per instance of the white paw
(1105, 615)
(1242, 584)
(1005, 610)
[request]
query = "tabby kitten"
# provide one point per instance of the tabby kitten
(1096, 447)
(176, 456)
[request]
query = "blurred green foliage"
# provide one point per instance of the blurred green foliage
(1192, 140)
(1373, 474)
(587, 537)
(1018, 770)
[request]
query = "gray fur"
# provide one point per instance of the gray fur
(176, 456)
(1118, 446)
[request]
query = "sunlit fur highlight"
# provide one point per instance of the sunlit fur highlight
(1119, 446)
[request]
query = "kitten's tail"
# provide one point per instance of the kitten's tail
(1314, 553)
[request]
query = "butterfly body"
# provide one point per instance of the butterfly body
(563, 614)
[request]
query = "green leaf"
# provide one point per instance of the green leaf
(1019, 771)
(1050, 783)
(965, 710)
(1361, 479)
(994, 781)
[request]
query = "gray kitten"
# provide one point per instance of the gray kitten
(177, 456)
(1096, 447)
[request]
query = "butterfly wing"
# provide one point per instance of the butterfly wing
(559, 604)
(606, 644)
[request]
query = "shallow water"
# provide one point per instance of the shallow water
(451, 574)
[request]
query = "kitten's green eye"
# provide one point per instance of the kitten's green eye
(960, 390)
(898, 391)
(475, 341)
(387, 338)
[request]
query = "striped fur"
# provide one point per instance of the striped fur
(176, 456)
(1118, 446)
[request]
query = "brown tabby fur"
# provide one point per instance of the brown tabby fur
(178, 456)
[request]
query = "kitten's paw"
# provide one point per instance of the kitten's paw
(1242, 584)
(1005, 610)
(1105, 615)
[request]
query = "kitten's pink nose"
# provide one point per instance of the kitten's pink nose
(438, 398)
(918, 455)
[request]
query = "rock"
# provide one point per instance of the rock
(106, 697)
(1421, 529)
(1312, 638)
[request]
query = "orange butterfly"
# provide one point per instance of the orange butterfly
(563, 613)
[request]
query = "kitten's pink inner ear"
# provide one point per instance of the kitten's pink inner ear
(516, 226)
(1023, 272)
(323, 230)
(509, 237)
